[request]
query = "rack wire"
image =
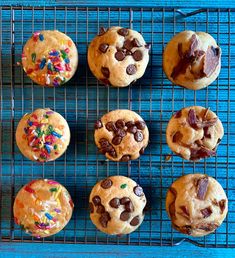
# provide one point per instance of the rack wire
(82, 100)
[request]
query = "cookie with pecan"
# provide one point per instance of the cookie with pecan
(192, 59)
(121, 135)
(194, 133)
(117, 205)
(196, 204)
(118, 56)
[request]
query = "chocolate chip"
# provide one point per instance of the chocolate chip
(132, 129)
(206, 212)
(124, 216)
(110, 126)
(177, 137)
(140, 125)
(120, 55)
(192, 119)
(107, 183)
(141, 151)
(91, 207)
(114, 203)
(208, 226)
(105, 81)
(139, 136)
(187, 229)
(98, 124)
(103, 47)
(137, 55)
(102, 31)
(206, 134)
(211, 60)
(203, 152)
(136, 43)
(195, 123)
(138, 190)
(121, 133)
(104, 218)
(128, 44)
(100, 209)
(105, 71)
(129, 124)
(104, 143)
(125, 158)
(186, 58)
(202, 185)
(131, 69)
(129, 206)
(120, 123)
(222, 205)
(96, 200)
(123, 32)
(135, 221)
(193, 45)
(178, 114)
(112, 153)
(116, 140)
(124, 200)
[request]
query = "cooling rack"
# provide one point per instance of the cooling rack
(82, 100)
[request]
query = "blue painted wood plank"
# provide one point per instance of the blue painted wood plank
(130, 3)
(61, 250)
(75, 174)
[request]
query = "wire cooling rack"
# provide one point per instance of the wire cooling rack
(83, 100)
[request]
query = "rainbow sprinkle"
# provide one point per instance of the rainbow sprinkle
(123, 186)
(48, 216)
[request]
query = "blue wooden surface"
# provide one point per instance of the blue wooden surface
(56, 250)
(169, 3)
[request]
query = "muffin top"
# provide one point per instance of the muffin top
(50, 58)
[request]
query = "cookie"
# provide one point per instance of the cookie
(121, 135)
(196, 204)
(194, 133)
(42, 208)
(192, 59)
(50, 58)
(118, 56)
(42, 135)
(117, 205)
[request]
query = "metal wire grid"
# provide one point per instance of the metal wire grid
(83, 100)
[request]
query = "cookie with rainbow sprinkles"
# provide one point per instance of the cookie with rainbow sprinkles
(42, 135)
(43, 207)
(50, 58)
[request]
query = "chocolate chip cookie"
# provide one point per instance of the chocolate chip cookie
(118, 56)
(196, 204)
(121, 135)
(192, 59)
(194, 133)
(117, 205)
